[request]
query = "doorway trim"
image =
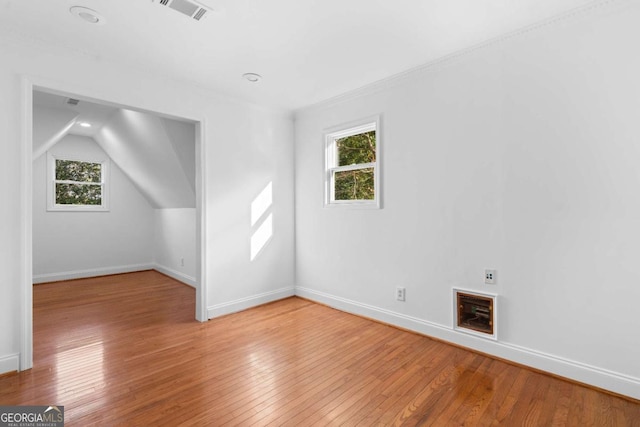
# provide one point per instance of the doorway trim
(28, 85)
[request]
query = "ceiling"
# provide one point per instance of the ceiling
(94, 114)
(306, 50)
(157, 154)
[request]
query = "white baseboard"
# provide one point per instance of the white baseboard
(577, 371)
(179, 276)
(248, 302)
(94, 272)
(9, 363)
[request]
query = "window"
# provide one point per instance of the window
(352, 164)
(76, 184)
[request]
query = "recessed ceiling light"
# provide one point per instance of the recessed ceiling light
(252, 77)
(88, 15)
(85, 124)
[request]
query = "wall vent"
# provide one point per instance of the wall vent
(475, 313)
(191, 8)
(72, 101)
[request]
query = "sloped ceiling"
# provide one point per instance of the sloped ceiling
(306, 50)
(138, 143)
(157, 154)
(53, 125)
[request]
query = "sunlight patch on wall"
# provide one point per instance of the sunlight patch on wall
(260, 215)
(261, 237)
(261, 203)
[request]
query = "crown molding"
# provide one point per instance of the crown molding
(397, 79)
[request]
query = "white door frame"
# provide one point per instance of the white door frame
(29, 83)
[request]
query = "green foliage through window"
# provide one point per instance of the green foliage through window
(78, 183)
(352, 174)
(357, 183)
(355, 149)
(354, 185)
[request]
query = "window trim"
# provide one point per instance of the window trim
(366, 124)
(52, 206)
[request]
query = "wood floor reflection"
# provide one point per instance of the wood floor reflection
(125, 350)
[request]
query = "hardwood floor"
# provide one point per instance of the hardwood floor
(125, 350)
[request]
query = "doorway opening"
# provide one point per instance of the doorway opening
(110, 122)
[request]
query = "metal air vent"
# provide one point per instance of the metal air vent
(191, 8)
(72, 101)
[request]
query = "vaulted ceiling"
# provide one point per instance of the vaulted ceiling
(157, 154)
(306, 50)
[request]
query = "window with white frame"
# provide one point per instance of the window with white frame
(77, 184)
(352, 175)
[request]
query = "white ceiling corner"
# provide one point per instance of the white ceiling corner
(306, 50)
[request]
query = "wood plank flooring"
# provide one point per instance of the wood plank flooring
(125, 350)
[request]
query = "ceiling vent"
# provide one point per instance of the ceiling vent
(72, 101)
(191, 8)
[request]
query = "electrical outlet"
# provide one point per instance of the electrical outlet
(181, 262)
(400, 293)
(490, 276)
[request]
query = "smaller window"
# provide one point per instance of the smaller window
(76, 184)
(352, 164)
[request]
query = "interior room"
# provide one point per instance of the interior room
(463, 173)
(150, 221)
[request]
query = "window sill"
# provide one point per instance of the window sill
(78, 209)
(353, 205)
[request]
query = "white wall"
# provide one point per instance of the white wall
(245, 146)
(254, 152)
(83, 244)
(521, 156)
(174, 244)
(182, 136)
